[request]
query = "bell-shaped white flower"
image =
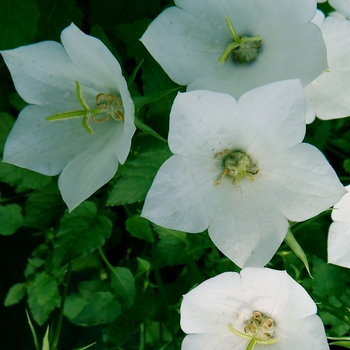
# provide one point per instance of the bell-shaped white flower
(82, 82)
(240, 170)
(328, 96)
(258, 308)
(233, 46)
(339, 233)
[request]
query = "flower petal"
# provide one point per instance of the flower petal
(339, 244)
(341, 210)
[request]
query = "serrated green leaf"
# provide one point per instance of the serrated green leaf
(11, 219)
(15, 294)
(327, 278)
(139, 227)
(24, 179)
(6, 123)
(18, 23)
(43, 297)
(298, 251)
(137, 178)
(43, 206)
(100, 310)
(123, 282)
(80, 233)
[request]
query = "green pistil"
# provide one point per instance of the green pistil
(113, 109)
(244, 49)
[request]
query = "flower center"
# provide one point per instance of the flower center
(260, 326)
(237, 165)
(243, 49)
(112, 108)
(260, 329)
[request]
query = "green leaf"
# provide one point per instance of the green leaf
(123, 282)
(116, 333)
(345, 344)
(15, 294)
(73, 305)
(143, 100)
(298, 251)
(43, 207)
(10, 219)
(328, 278)
(147, 130)
(24, 179)
(346, 165)
(139, 227)
(137, 178)
(6, 123)
(101, 309)
(85, 347)
(43, 297)
(18, 23)
(80, 233)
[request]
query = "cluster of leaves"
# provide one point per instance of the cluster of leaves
(103, 265)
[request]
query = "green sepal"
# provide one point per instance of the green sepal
(133, 74)
(345, 344)
(146, 129)
(46, 344)
(140, 101)
(296, 248)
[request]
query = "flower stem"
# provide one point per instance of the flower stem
(60, 316)
(251, 344)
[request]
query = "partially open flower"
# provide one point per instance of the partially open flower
(234, 46)
(258, 308)
(240, 170)
(80, 119)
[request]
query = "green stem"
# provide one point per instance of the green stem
(232, 30)
(109, 265)
(163, 296)
(251, 344)
(60, 316)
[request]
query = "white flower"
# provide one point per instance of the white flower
(342, 7)
(230, 310)
(219, 147)
(188, 41)
(328, 97)
(339, 233)
(49, 76)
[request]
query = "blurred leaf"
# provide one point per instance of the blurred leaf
(24, 179)
(43, 297)
(6, 123)
(116, 333)
(80, 233)
(55, 16)
(346, 165)
(139, 227)
(43, 206)
(73, 305)
(15, 294)
(345, 344)
(18, 23)
(101, 309)
(88, 289)
(123, 282)
(327, 278)
(85, 347)
(11, 219)
(46, 345)
(137, 178)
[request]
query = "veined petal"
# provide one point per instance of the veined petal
(92, 168)
(338, 244)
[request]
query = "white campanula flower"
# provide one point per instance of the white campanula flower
(339, 233)
(82, 82)
(259, 308)
(234, 46)
(239, 169)
(328, 96)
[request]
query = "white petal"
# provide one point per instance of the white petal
(341, 211)
(180, 185)
(299, 181)
(343, 6)
(90, 169)
(217, 341)
(339, 244)
(329, 94)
